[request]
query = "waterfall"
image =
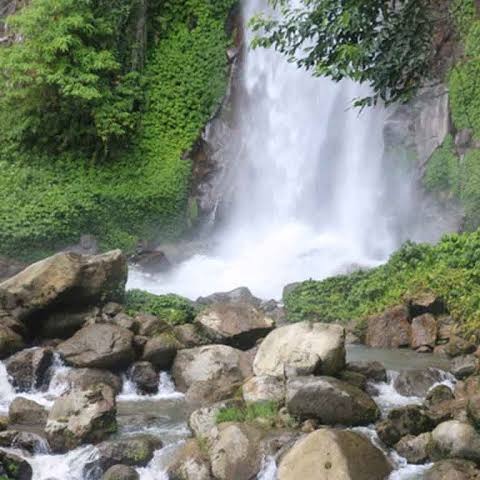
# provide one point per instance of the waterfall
(309, 196)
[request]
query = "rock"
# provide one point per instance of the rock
(23, 411)
(331, 401)
(150, 325)
(81, 417)
(417, 382)
(210, 373)
(467, 387)
(288, 289)
(239, 325)
(125, 321)
(374, 371)
(454, 439)
(239, 295)
(28, 369)
(3, 423)
(151, 261)
(134, 451)
(235, 453)
(121, 472)
(392, 329)
(264, 389)
(334, 454)
(65, 279)
(28, 441)
(414, 449)
(302, 349)
(438, 394)
(64, 324)
(10, 342)
(353, 378)
(445, 325)
(89, 378)
(99, 346)
(203, 421)
(426, 303)
(424, 331)
(13, 467)
(458, 346)
(144, 376)
(191, 463)
(453, 469)
(463, 366)
(112, 309)
(190, 335)
(473, 410)
(408, 420)
(10, 267)
(161, 350)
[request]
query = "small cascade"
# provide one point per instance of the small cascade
(7, 392)
(269, 470)
(156, 469)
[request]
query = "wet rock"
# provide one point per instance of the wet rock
(464, 365)
(161, 350)
(150, 325)
(414, 449)
(458, 346)
(64, 324)
(3, 423)
(235, 452)
(190, 335)
(334, 454)
(144, 376)
(28, 441)
(438, 394)
(424, 331)
(402, 421)
(151, 261)
(374, 371)
(81, 417)
(239, 325)
(13, 467)
(301, 349)
(89, 378)
(191, 463)
(454, 439)
(264, 389)
(426, 303)
(211, 373)
(121, 472)
(28, 369)
(65, 279)
(10, 342)
(99, 346)
(417, 382)
(236, 296)
(353, 378)
(331, 401)
(453, 469)
(392, 329)
(25, 412)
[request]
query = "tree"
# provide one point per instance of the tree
(63, 81)
(388, 44)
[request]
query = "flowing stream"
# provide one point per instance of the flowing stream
(309, 186)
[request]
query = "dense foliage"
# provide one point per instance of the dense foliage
(389, 45)
(173, 309)
(450, 269)
(248, 413)
(48, 200)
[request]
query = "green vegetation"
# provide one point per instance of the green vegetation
(173, 309)
(141, 191)
(450, 269)
(248, 413)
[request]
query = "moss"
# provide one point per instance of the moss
(450, 269)
(173, 309)
(49, 201)
(248, 413)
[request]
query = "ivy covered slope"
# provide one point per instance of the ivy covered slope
(450, 269)
(124, 178)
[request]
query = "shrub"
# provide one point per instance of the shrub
(248, 413)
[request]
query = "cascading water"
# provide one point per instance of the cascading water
(308, 196)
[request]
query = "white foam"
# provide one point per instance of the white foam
(166, 390)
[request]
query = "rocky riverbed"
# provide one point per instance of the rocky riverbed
(90, 392)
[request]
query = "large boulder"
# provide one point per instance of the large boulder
(454, 439)
(464, 365)
(415, 449)
(417, 382)
(426, 303)
(373, 371)
(334, 454)
(81, 417)
(392, 329)
(121, 472)
(331, 401)
(211, 373)
(264, 389)
(99, 346)
(301, 349)
(25, 412)
(424, 331)
(235, 453)
(144, 377)
(161, 350)
(190, 463)
(240, 295)
(239, 325)
(13, 467)
(89, 378)
(28, 369)
(10, 341)
(454, 469)
(203, 421)
(28, 441)
(65, 279)
(63, 324)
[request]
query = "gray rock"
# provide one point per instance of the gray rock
(392, 329)
(121, 472)
(453, 469)
(424, 331)
(88, 378)
(463, 366)
(14, 467)
(438, 394)
(415, 449)
(10, 342)
(238, 295)
(28, 441)
(190, 463)
(64, 324)
(374, 371)
(161, 350)
(150, 325)
(264, 389)
(331, 401)
(144, 376)
(25, 412)
(417, 382)
(190, 335)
